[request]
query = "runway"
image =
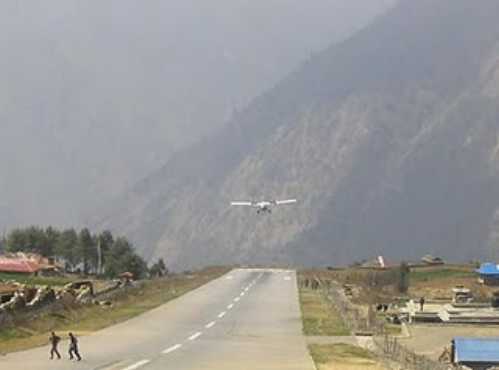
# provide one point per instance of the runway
(247, 319)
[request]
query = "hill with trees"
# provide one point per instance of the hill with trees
(390, 141)
(79, 250)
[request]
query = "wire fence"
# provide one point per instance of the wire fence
(391, 351)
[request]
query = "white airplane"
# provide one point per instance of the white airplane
(264, 206)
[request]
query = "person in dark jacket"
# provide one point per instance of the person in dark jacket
(54, 342)
(421, 303)
(73, 347)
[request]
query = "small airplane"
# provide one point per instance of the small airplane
(264, 206)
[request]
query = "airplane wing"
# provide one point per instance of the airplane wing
(288, 201)
(241, 204)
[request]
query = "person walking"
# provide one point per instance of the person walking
(421, 304)
(54, 341)
(73, 347)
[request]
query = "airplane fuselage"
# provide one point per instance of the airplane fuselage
(263, 207)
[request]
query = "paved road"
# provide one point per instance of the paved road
(247, 319)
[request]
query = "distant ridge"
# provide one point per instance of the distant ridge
(390, 140)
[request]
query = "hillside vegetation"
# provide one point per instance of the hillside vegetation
(390, 141)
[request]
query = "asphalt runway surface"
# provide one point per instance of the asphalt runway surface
(247, 319)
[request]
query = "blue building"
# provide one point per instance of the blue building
(489, 273)
(476, 353)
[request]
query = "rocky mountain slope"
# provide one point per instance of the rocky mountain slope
(98, 94)
(390, 140)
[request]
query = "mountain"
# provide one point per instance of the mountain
(98, 94)
(390, 141)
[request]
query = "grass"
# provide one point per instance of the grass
(319, 316)
(325, 353)
(392, 329)
(438, 274)
(87, 319)
(11, 333)
(35, 280)
(342, 356)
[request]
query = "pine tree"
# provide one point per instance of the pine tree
(87, 251)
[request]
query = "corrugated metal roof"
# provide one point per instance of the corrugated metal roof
(18, 265)
(488, 269)
(477, 349)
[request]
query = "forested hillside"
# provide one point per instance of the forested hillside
(390, 141)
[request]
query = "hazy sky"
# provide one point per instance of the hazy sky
(95, 94)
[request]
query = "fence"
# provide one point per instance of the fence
(390, 350)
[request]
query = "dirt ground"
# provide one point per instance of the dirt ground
(442, 288)
(431, 282)
(430, 340)
(351, 366)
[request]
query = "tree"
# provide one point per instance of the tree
(105, 241)
(37, 241)
(32, 240)
(122, 258)
(51, 239)
(16, 240)
(158, 269)
(87, 251)
(66, 248)
(403, 283)
(136, 265)
(3, 244)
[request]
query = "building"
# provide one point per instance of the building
(475, 353)
(18, 266)
(489, 273)
(460, 294)
(27, 263)
(431, 260)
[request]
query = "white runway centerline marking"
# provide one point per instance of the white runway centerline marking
(195, 336)
(242, 294)
(287, 278)
(137, 365)
(229, 277)
(222, 314)
(171, 349)
(236, 299)
(210, 325)
(229, 307)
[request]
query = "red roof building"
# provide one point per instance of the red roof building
(21, 266)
